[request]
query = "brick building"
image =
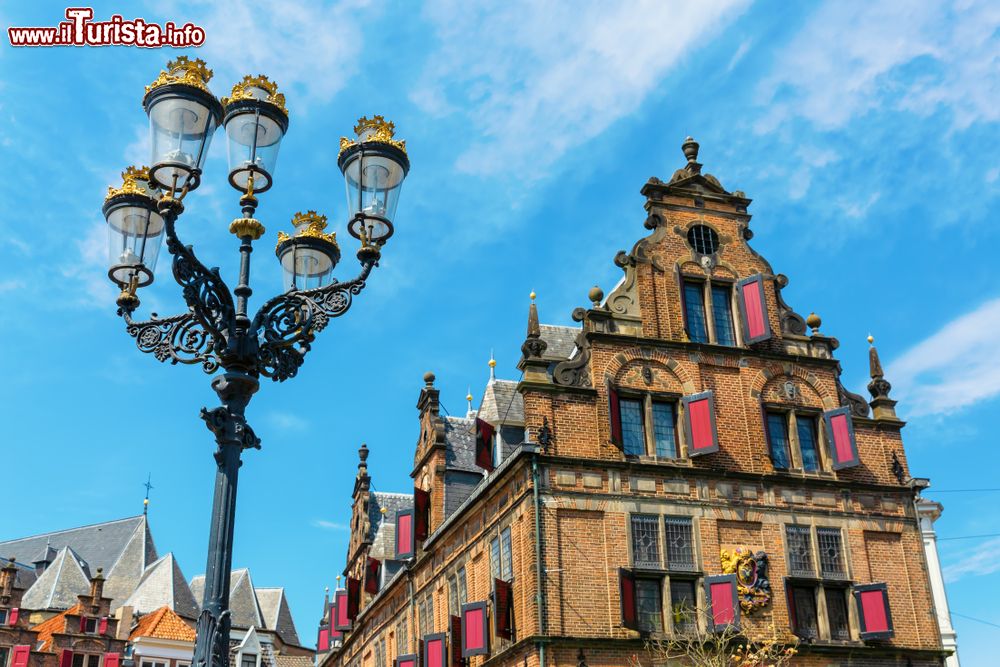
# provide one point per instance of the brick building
(689, 446)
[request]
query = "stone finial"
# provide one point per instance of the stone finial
(493, 367)
(690, 148)
(363, 455)
(814, 322)
(879, 387)
(534, 347)
(429, 378)
(596, 295)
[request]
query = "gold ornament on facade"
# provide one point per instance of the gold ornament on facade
(135, 181)
(244, 91)
(308, 225)
(753, 587)
(381, 131)
(187, 72)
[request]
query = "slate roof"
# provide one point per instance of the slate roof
(66, 578)
(163, 585)
(130, 567)
(242, 599)
(460, 444)
(561, 341)
(383, 535)
(277, 615)
(292, 660)
(24, 576)
(57, 623)
(163, 623)
(502, 404)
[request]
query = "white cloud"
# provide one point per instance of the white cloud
(743, 49)
(955, 367)
(980, 561)
(284, 421)
(328, 525)
(11, 285)
(850, 59)
(533, 80)
(89, 283)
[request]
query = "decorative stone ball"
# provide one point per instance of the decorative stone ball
(429, 377)
(813, 321)
(596, 294)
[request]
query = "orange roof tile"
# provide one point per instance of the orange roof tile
(57, 623)
(163, 623)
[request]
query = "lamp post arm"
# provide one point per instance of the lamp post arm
(179, 339)
(205, 292)
(288, 323)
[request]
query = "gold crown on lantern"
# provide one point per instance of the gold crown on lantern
(184, 71)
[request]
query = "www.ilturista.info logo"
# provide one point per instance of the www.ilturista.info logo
(80, 30)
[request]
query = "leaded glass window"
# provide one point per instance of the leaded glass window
(495, 557)
(831, 555)
(806, 427)
(777, 431)
(722, 312)
(804, 601)
(506, 556)
(694, 307)
(680, 543)
(649, 604)
(646, 540)
(402, 639)
(633, 433)
(836, 612)
(683, 604)
(380, 653)
(799, 550)
(664, 429)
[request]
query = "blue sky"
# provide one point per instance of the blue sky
(866, 133)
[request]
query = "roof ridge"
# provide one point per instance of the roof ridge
(393, 493)
(70, 530)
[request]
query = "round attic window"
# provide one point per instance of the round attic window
(703, 239)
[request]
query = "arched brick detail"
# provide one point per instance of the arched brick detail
(777, 370)
(621, 360)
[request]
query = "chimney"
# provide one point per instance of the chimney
(97, 587)
(8, 576)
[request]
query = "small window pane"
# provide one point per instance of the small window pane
(462, 594)
(680, 545)
(831, 556)
(93, 661)
(633, 434)
(836, 610)
(506, 557)
(495, 557)
(645, 540)
(777, 430)
(694, 306)
(664, 429)
(683, 605)
(649, 603)
(806, 427)
(805, 612)
(799, 550)
(453, 607)
(79, 659)
(722, 311)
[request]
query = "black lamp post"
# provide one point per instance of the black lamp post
(216, 331)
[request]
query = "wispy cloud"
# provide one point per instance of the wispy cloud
(533, 80)
(955, 367)
(284, 421)
(328, 525)
(980, 561)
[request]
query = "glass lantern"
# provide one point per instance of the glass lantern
(374, 166)
(309, 256)
(255, 120)
(183, 115)
(135, 230)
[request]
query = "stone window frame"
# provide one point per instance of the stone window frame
(792, 414)
(648, 428)
(820, 583)
(707, 282)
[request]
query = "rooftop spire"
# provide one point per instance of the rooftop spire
(493, 367)
(883, 407)
(534, 347)
(690, 148)
(468, 398)
(145, 501)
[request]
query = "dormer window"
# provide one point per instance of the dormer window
(703, 239)
(89, 625)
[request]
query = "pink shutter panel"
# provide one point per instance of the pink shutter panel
(15, 613)
(66, 658)
(343, 620)
(335, 634)
(753, 309)
(404, 534)
(83, 624)
(615, 417)
(323, 640)
(436, 650)
(102, 626)
(626, 587)
(484, 445)
(21, 655)
(720, 592)
(409, 660)
(699, 423)
(475, 632)
(874, 616)
(840, 435)
(112, 660)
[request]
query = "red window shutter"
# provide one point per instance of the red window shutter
(112, 660)
(372, 568)
(615, 417)
(335, 634)
(409, 660)
(874, 616)
(436, 650)
(720, 592)
(21, 655)
(484, 445)
(475, 631)
(323, 641)
(66, 658)
(456, 642)
(421, 514)
(83, 624)
(353, 597)
(15, 613)
(840, 434)
(753, 309)
(102, 626)
(626, 586)
(699, 423)
(404, 534)
(503, 611)
(343, 620)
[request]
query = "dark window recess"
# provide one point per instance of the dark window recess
(806, 427)
(831, 555)
(836, 612)
(703, 239)
(646, 541)
(3, 621)
(680, 547)
(722, 312)
(665, 429)
(649, 604)
(804, 604)
(694, 309)
(777, 437)
(633, 434)
(683, 605)
(799, 550)
(248, 661)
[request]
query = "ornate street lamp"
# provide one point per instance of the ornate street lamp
(216, 331)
